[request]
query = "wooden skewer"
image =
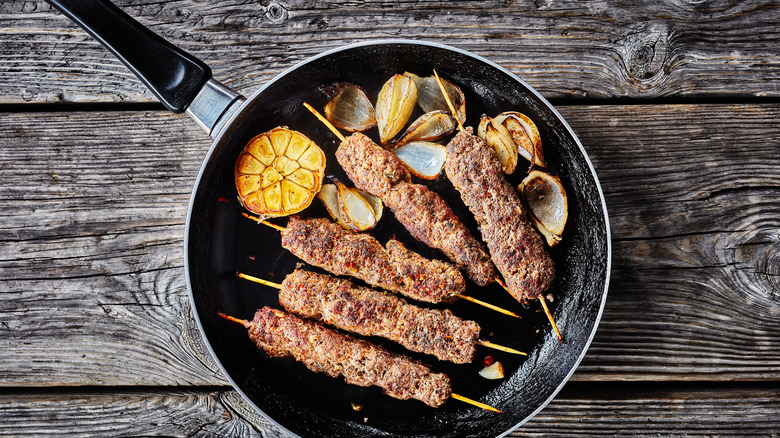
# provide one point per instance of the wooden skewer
(487, 344)
(465, 297)
(544, 306)
(550, 317)
(489, 306)
(263, 221)
(498, 347)
(474, 402)
(325, 121)
(449, 103)
(458, 397)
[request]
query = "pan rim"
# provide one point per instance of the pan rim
(225, 127)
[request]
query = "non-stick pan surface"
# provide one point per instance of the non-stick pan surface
(220, 242)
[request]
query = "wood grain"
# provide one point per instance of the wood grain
(172, 413)
(93, 207)
(600, 50)
(205, 413)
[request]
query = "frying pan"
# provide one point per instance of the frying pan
(219, 242)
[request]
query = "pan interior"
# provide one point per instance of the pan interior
(220, 242)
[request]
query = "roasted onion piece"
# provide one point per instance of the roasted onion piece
(524, 134)
(349, 107)
(351, 208)
(500, 140)
(394, 106)
(547, 204)
(430, 98)
(431, 126)
(355, 209)
(329, 195)
(423, 158)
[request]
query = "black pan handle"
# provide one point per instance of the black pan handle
(173, 75)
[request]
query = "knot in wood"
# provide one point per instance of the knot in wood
(645, 53)
(276, 12)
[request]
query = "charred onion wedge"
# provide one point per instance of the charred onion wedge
(394, 106)
(500, 140)
(424, 159)
(547, 204)
(279, 172)
(351, 208)
(525, 135)
(431, 126)
(349, 107)
(430, 98)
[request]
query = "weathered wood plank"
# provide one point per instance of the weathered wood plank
(92, 209)
(602, 49)
(680, 412)
(695, 213)
(92, 212)
(174, 413)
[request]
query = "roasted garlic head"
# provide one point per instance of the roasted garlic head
(279, 172)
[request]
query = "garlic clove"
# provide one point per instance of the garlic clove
(423, 158)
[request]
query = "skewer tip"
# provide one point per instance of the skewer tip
(325, 121)
(550, 317)
(544, 307)
(489, 306)
(258, 280)
(263, 221)
(234, 319)
(498, 347)
(474, 402)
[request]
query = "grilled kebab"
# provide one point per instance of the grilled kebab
(361, 363)
(323, 243)
(427, 217)
(517, 249)
(364, 311)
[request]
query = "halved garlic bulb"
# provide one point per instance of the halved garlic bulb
(525, 135)
(430, 126)
(430, 98)
(355, 210)
(547, 204)
(394, 106)
(500, 140)
(423, 158)
(349, 107)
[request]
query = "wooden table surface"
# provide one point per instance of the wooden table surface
(677, 104)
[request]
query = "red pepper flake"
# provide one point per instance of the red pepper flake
(488, 360)
(223, 199)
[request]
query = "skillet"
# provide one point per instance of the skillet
(219, 242)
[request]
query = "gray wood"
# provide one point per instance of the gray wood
(207, 413)
(601, 50)
(93, 207)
